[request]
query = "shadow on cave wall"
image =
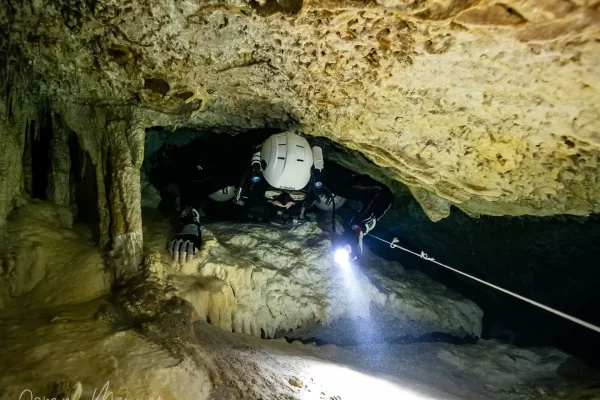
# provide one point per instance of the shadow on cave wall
(553, 260)
(37, 170)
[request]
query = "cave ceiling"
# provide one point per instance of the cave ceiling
(489, 106)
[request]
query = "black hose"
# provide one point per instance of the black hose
(332, 197)
(332, 215)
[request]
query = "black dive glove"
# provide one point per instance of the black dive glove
(353, 237)
(351, 241)
(255, 208)
(186, 243)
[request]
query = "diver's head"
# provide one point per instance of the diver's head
(287, 160)
(284, 200)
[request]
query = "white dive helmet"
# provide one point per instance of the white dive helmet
(288, 159)
(224, 194)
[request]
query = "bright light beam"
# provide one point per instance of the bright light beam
(342, 257)
(348, 384)
(358, 301)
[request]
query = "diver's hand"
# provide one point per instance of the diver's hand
(185, 244)
(256, 210)
(258, 214)
(352, 239)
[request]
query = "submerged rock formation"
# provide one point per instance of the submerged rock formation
(83, 358)
(490, 107)
(264, 281)
(141, 343)
(47, 263)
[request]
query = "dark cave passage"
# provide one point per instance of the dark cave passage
(170, 156)
(40, 158)
(84, 187)
(549, 259)
(51, 152)
(552, 260)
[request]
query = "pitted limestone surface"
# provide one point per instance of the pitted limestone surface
(491, 106)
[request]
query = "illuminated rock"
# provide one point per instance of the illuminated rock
(265, 281)
(49, 263)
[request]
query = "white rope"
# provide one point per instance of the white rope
(394, 245)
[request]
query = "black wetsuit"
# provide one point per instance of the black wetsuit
(207, 173)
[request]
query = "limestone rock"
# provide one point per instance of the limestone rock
(531, 373)
(48, 262)
(212, 298)
(150, 196)
(105, 363)
(503, 360)
(264, 281)
(276, 278)
(435, 207)
(491, 106)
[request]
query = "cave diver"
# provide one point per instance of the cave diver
(284, 178)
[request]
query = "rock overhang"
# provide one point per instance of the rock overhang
(487, 106)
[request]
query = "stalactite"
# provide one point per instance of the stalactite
(20, 112)
(15, 117)
(103, 207)
(89, 124)
(58, 190)
(125, 207)
(115, 147)
(27, 157)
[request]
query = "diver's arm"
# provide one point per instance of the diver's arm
(376, 197)
(381, 199)
(196, 181)
(187, 242)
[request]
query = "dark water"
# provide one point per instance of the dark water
(552, 260)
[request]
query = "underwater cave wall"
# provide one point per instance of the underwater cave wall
(36, 149)
(59, 176)
(12, 144)
(490, 107)
(452, 99)
(17, 125)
